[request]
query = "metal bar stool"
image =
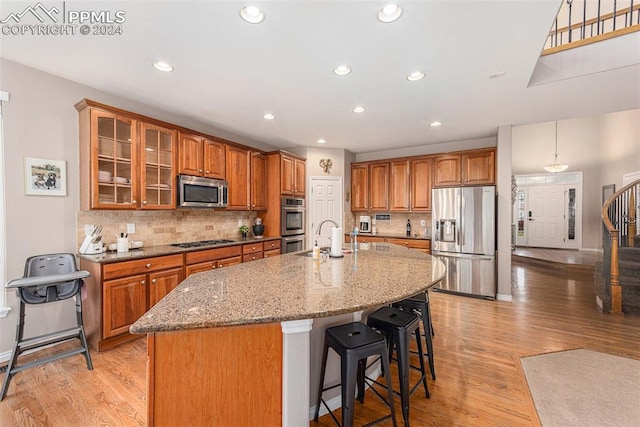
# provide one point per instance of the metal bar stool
(419, 304)
(353, 342)
(397, 326)
(47, 278)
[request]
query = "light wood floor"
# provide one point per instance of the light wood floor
(478, 344)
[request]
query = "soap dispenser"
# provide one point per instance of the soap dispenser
(316, 251)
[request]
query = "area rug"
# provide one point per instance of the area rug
(584, 388)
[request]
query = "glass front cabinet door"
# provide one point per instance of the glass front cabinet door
(113, 161)
(126, 162)
(157, 159)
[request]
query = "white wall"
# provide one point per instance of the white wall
(40, 121)
(602, 147)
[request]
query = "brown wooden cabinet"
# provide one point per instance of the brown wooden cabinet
(201, 156)
(163, 282)
(400, 185)
(258, 179)
(292, 175)
(423, 245)
(210, 259)
(252, 251)
(447, 170)
(126, 161)
(479, 167)
(359, 187)
(420, 173)
(286, 175)
(475, 167)
(125, 302)
(272, 248)
(419, 244)
(247, 177)
(119, 293)
(370, 187)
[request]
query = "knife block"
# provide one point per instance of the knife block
(90, 248)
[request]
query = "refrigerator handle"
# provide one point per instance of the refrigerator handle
(459, 232)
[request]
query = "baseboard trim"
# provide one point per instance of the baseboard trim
(503, 297)
(4, 356)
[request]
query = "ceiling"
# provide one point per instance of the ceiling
(229, 73)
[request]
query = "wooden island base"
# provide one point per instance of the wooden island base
(216, 376)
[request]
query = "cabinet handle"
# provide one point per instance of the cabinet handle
(144, 202)
(213, 267)
(144, 282)
(253, 258)
(133, 202)
(153, 281)
(148, 265)
(199, 170)
(207, 171)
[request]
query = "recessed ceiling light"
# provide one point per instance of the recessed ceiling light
(252, 14)
(269, 116)
(497, 75)
(358, 109)
(321, 141)
(415, 76)
(342, 70)
(162, 66)
(389, 13)
(435, 124)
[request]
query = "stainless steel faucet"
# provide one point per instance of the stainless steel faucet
(322, 223)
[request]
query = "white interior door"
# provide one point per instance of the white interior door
(325, 202)
(546, 224)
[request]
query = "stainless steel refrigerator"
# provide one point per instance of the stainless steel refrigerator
(464, 238)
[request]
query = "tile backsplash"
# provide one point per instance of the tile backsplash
(155, 228)
(397, 224)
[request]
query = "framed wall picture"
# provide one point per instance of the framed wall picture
(45, 177)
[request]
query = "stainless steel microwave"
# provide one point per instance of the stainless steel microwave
(197, 192)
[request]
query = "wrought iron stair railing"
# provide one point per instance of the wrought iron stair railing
(581, 22)
(619, 214)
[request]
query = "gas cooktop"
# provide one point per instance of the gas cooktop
(202, 243)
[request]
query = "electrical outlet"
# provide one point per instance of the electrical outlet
(239, 223)
(423, 223)
(88, 229)
(131, 228)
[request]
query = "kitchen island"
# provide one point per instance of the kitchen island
(231, 346)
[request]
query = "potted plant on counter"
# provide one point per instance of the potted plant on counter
(244, 230)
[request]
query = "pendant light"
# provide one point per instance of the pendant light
(556, 167)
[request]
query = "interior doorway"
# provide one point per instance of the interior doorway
(325, 202)
(548, 211)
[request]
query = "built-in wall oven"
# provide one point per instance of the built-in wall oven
(292, 225)
(292, 216)
(293, 243)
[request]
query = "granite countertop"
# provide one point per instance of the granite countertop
(153, 251)
(293, 287)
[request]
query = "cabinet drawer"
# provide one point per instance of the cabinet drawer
(271, 253)
(127, 268)
(252, 248)
(410, 243)
(213, 254)
(272, 244)
(252, 257)
(228, 262)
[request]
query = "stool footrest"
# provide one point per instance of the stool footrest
(46, 360)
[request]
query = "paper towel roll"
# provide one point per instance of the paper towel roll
(336, 242)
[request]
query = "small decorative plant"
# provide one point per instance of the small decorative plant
(243, 230)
